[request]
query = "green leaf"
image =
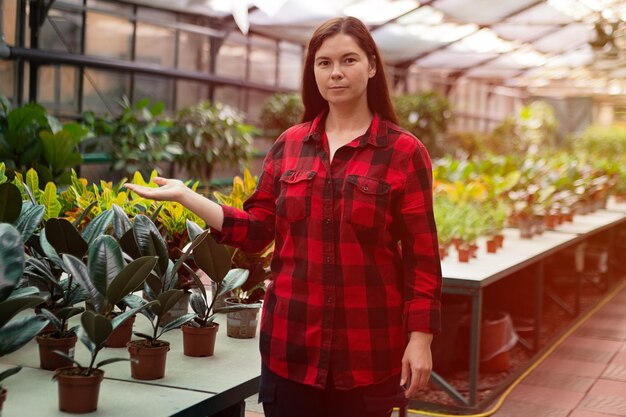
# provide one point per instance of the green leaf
(234, 279)
(50, 201)
(32, 182)
(198, 304)
(29, 219)
(10, 202)
(130, 278)
(11, 371)
(176, 323)
(67, 312)
(97, 327)
(11, 307)
(84, 213)
(20, 331)
(98, 226)
(150, 242)
(121, 222)
(65, 238)
(11, 259)
(193, 230)
(129, 244)
(121, 318)
(49, 250)
(168, 299)
(79, 272)
(212, 258)
(105, 262)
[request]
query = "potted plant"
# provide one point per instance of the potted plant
(210, 134)
(48, 272)
(109, 281)
(14, 332)
(79, 386)
(30, 138)
(149, 354)
(279, 112)
(215, 261)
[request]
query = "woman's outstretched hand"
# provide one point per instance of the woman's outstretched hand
(169, 190)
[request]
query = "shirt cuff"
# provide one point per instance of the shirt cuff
(231, 226)
(423, 316)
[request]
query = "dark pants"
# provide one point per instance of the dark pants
(284, 398)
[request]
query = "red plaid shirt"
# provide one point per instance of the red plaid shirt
(344, 293)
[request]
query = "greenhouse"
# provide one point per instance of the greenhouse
(191, 220)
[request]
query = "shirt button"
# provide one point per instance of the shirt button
(365, 188)
(329, 300)
(327, 221)
(328, 259)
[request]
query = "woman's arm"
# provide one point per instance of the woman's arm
(175, 190)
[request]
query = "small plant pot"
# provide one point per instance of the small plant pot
(525, 228)
(77, 393)
(147, 362)
(199, 341)
(47, 345)
(464, 254)
(121, 335)
(241, 324)
(551, 221)
(499, 240)
(492, 246)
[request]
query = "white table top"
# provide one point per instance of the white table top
(515, 254)
(31, 392)
(235, 361)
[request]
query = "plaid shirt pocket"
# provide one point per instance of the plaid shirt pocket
(294, 200)
(366, 201)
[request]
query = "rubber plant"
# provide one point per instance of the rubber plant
(214, 260)
(15, 332)
(48, 272)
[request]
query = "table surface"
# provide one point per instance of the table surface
(517, 253)
(189, 380)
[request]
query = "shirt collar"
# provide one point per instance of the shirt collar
(376, 134)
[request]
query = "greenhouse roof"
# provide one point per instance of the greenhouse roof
(575, 46)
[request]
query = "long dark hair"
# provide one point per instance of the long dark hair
(378, 98)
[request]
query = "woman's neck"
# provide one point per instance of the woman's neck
(348, 119)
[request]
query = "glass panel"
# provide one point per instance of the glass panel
(155, 88)
(57, 88)
(61, 32)
(228, 95)
(117, 41)
(147, 14)
(231, 58)
(255, 101)
(290, 61)
(103, 90)
(263, 66)
(190, 92)
(155, 45)
(6, 75)
(9, 18)
(193, 52)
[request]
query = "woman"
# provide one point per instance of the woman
(347, 196)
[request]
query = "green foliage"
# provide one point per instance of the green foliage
(215, 261)
(208, 135)
(30, 138)
(93, 332)
(427, 116)
(15, 332)
(601, 142)
(281, 111)
(241, 190)
(140, 137)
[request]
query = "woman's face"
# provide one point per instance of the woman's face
(342, 70)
